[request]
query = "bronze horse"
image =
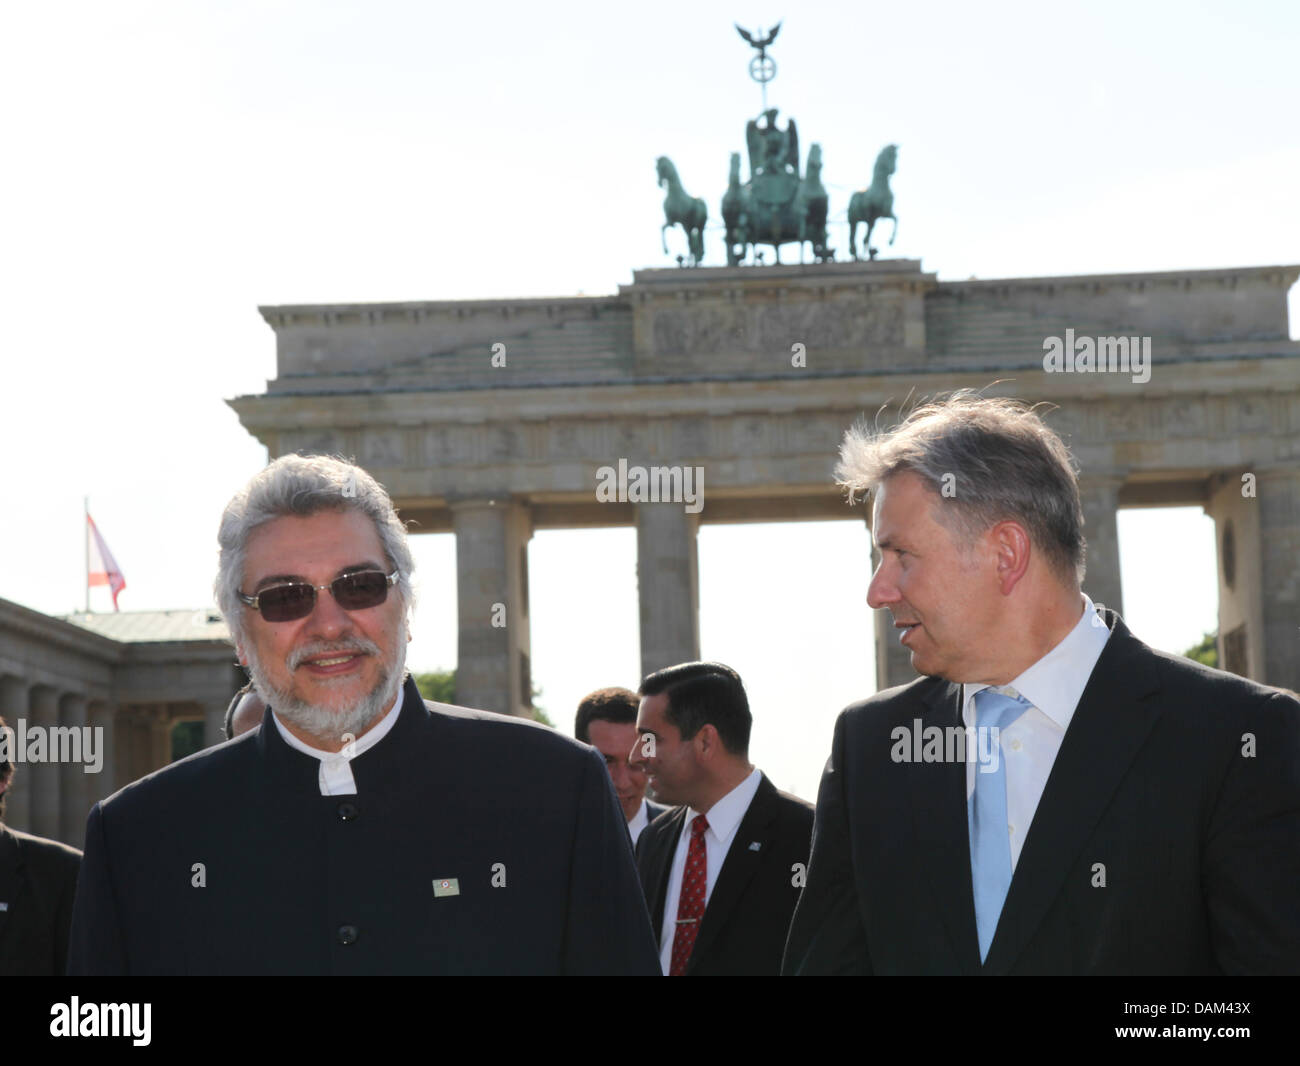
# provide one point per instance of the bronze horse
(680, 208)
(874, 203)
(812, 207)
(734, 215)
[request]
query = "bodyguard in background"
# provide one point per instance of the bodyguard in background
(37, 880)
(606, 720)
(722, 871)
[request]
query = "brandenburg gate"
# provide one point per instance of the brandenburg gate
(494, 418)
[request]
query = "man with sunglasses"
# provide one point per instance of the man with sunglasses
(360, 830)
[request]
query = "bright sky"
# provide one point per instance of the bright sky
(170, 166)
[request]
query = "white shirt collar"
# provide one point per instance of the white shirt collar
(1056, 682)
(638, 821)
(725, 815)
(335, 774)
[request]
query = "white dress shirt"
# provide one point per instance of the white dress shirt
(724, 819)
(638, 821)
(1029, 745)
(335, 774)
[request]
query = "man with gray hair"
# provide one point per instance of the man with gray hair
(360, 830)
(1130, 812)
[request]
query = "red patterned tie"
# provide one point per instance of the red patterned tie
(690, 904)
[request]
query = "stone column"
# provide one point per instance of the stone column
(74, 782)
(18, 800)
(668, 584)
(1234, 506)
(1100, 497)
(214, 722)
(45, 815)
(160, 738)
(104, 784)
(124, 744)
(135, 744)
(1279, 524)
(493, 671)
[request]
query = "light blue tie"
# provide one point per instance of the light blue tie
(986, 816)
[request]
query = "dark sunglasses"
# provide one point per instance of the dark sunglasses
(297, 599)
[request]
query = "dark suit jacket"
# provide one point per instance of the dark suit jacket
(654, 810)
(748, 915)
(1195, 830)
(523, 819)
(37, 880)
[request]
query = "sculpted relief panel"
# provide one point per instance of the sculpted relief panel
(836, 325)
(312, 442)
(383, 449)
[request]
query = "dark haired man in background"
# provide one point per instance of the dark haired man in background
(722, 873)
(607, 721)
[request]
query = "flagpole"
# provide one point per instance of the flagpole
(85, 502)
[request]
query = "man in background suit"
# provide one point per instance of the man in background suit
(1129, 811)
(722, 871)
(606, 720)
(37, 880)
(359, 830)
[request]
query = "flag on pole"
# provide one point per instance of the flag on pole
(103, 568)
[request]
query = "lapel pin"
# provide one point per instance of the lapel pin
(446, 886)
(754, 845)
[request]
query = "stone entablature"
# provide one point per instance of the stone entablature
(760, 439)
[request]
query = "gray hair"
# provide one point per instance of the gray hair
(304, 485)
(987, 460)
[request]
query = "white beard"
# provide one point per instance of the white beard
(328, 724)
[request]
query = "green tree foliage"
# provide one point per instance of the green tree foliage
(187, 738)
(440, 686)
(1207, 651)
(540, 715)
(437, 685)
